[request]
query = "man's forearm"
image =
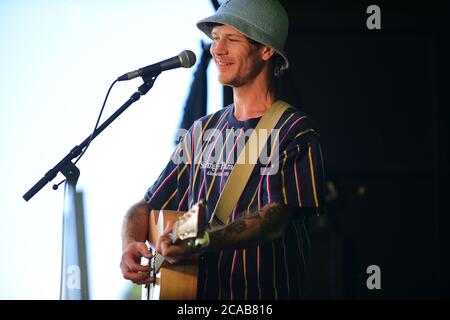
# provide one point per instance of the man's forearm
(267, 224)
(135, 224)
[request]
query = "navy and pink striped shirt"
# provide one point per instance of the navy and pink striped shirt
(291, 174)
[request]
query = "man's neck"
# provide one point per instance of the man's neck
(252, 100)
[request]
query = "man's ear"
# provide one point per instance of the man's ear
(267, 53)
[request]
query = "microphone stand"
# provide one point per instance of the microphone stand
(70, 260)
(76, 151)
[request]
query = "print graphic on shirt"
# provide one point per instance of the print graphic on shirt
(217, 169)
(218, 150)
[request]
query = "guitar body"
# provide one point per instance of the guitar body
(173, 282)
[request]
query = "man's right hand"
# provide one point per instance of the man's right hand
(131, 263)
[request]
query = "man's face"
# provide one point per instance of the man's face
(238, 61)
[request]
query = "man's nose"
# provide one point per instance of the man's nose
(219, 47)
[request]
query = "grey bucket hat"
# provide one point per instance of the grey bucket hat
(264, 21)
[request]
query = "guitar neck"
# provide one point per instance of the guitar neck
(178, 281)
(187, 226)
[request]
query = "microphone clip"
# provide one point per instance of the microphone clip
(148, 83)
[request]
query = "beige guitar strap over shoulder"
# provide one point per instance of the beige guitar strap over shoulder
(245, 164)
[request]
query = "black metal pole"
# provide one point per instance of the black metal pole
(76, 151)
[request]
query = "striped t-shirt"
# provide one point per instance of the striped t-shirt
(290, 172)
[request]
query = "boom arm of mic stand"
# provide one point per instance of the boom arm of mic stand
(76, 151)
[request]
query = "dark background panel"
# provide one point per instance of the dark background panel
(359, 92)
(380, 98)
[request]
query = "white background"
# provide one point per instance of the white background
(57, 60)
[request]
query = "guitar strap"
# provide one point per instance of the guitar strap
(245, 164)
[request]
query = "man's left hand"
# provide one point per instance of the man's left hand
(173, 253)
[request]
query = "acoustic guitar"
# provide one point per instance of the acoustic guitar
(174, 282)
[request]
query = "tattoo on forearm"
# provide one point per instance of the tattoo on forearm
(252, 215)
(236, 227)
(222, 236)
(273, 220)
(265, 224)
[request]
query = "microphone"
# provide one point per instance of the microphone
(185, 59)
